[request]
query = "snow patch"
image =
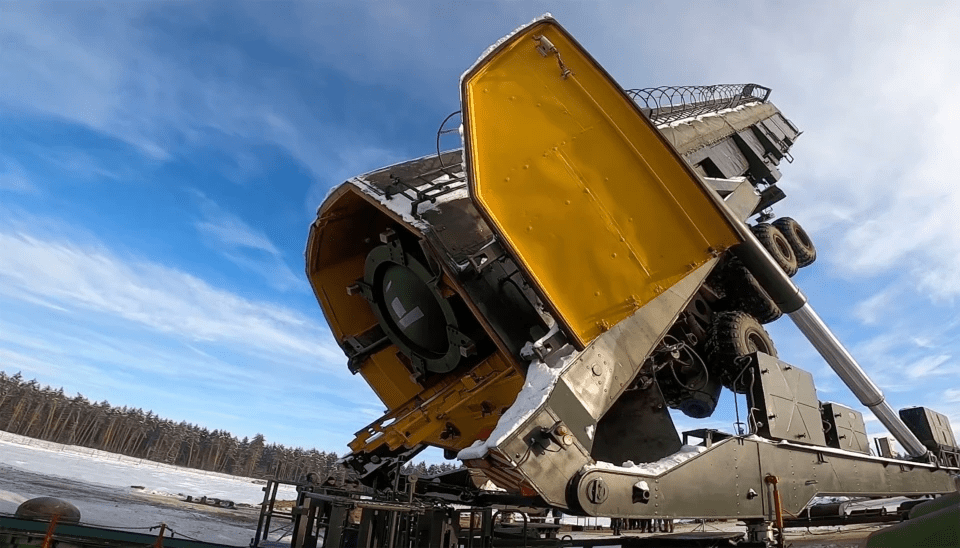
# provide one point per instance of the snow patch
(500, 42)
(12, 497)
(699, 118)
(541, 378)
(400, 204)
(120, 471)
(685, 453)
(490, 486)
(591, 430)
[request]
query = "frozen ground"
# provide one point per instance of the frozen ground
(126, 493)
(101, 486)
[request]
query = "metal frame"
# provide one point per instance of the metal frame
(267, 511)
(667, 104)
(695, 489)
(426, 186)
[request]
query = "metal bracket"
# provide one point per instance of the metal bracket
(486, 256)
(545, 47)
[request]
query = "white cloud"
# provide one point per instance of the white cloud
(85, 317)
(93, 279)
(244, 245)
(13, 177)
(872, 85)
(876, 308)
(930, 366)
(116, 71)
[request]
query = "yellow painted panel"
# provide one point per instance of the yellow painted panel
(389, 378)
(593, 203)
(472, 404)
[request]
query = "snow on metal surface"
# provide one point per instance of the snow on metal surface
(400, 204)
(700, 117)
(685, 453)
(497, 44)
(541, 378)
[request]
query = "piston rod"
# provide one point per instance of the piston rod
(847, 368)
(793, 302)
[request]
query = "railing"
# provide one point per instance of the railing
(671, 103)
(428, 186)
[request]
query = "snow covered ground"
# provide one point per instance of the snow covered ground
(102, 484)
(123, 492)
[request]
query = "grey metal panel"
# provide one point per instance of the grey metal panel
(638, 428)
(786, 400)
(790, 131)
(756, 154)
(713, 484)
(458, 226)
(724, 187)
(611, 361)
(743, 200)
(693, 134)
(576, 417)
(932, 428)
(845, 428)
(717, 482)
(725, 156)
(771, 127)
(829, 472)
(545, 467)
(596, 378)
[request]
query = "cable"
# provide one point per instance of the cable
(736, 405)
(843, 528)
(87, 523)
(682, 346)
(440, 131)
(172, 532)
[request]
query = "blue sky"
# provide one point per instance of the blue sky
(160, 163)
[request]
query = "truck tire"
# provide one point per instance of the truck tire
(778, 246)
(744, 292)
(799, 240)
(734, 335)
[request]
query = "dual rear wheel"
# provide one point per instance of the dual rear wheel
(790, 247)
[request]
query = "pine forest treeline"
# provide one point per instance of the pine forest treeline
(44, 413)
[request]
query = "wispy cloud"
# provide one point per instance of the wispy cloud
(122, 73)
(244, 245)
(87, 278)
(81, 315)
(13, 178)
(872, 86)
